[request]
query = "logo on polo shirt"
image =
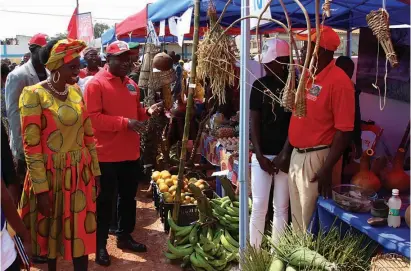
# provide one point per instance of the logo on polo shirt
(314, 92)
(131, 88)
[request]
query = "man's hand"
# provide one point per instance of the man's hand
(156, 109)
(282, 162)
(266, 165)
(324, 179)
(136, 126)
(43, 204)
(15, 192)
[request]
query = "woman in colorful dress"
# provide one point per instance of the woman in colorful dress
(58, 204)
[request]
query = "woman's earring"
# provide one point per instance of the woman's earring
(54, 77)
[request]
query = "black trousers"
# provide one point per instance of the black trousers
(124, 176)
(15, 266)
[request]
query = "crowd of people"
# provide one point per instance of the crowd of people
(65, 149)
(71, 145)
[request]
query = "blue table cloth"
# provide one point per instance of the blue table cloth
(393, 240)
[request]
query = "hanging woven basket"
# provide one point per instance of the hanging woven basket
(378, 21)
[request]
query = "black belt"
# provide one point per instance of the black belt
(311, 149)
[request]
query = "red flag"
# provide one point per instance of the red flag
(72, 27)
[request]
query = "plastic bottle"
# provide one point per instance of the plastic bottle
(394, 204)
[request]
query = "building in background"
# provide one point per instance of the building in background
(15, 48)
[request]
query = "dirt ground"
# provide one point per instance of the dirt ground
(148, 230)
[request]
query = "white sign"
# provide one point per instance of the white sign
(152, 37)
(85, 27)
(162, 28)
(256, 8)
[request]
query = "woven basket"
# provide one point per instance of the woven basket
(146, 68)
(378, 21)
(160, 79)
(390, 262)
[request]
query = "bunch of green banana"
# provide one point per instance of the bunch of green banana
(227, 212)
(206, 246)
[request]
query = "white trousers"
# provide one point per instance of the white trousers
(260, 186)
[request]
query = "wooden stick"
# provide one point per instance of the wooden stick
(314, 57)
(258, 26)
(228, 188)
(193, 78)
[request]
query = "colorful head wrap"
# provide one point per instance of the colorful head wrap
(63, 52)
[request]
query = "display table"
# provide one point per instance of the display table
(393, 240)
(218, 156)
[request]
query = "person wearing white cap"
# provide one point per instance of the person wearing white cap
(269, 130)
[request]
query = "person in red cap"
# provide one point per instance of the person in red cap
(28, 74)
(113, 102)
(317, 141)
(93, 60)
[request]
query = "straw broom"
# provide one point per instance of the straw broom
(192, 85)
(288, 96)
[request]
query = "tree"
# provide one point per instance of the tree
(99, 29)
(59, 36)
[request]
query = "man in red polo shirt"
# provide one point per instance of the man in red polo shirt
(317, 141)
(113, 102)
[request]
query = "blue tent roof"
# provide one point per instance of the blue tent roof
(109, 36)
(346, 14)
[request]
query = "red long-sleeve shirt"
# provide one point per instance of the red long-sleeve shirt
(111, 103)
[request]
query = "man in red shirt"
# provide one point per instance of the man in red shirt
(317, 141)
(93, 60)
(113, 102)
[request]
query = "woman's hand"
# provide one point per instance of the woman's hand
(43, 204)
(266, 165)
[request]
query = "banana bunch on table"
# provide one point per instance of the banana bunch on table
(208, 246)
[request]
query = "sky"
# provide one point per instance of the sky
(16, 20)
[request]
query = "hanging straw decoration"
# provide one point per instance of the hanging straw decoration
(219, 65)
(327, 8)
(378, 21)
(288, 95)
(300, 99)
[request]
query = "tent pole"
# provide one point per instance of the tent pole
(244, 124)
(348, 43)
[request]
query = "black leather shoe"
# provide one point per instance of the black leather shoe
(39, 259)
(102, 257)
(132, 245)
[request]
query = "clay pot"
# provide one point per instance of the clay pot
(407, 216)
(396, 178)
(162, 62)
(366, 178)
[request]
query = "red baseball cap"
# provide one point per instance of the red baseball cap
(38, 39)
(117, 48)
(329, 39)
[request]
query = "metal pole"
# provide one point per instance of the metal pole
(348, 43)
(244, 124)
